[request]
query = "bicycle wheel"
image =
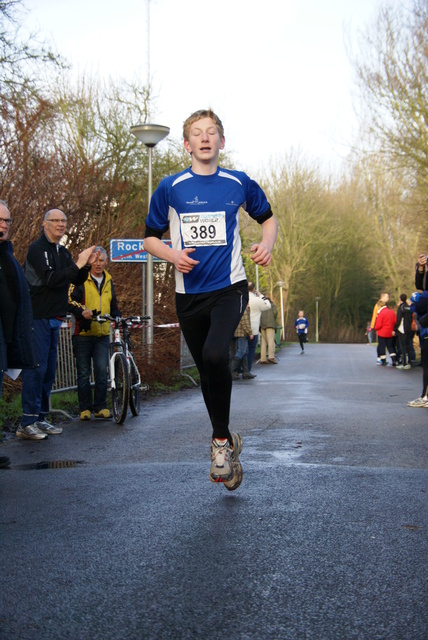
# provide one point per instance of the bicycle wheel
(134, 389)
(120, 393)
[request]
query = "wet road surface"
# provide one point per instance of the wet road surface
(112, 531)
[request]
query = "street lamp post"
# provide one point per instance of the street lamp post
(280, 284)
(149, 135)
(316, 318)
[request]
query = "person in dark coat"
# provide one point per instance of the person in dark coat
(420, 306)
(49, 269)
(16, 315)
(403, 331)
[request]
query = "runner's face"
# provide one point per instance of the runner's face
(205, 142)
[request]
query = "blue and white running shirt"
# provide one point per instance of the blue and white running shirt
(203, 212)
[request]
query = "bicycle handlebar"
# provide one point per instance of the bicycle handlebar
(128, 321)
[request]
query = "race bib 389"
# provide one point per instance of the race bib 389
(203, 229)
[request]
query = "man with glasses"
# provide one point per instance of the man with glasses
(16, 316)
(50, 270)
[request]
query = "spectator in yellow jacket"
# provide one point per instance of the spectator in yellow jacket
(91, 338)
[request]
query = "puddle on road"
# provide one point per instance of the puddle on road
(49, 464)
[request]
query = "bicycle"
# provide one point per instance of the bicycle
(125, 379)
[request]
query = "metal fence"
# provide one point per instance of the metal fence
(66, 373)
(186, 360)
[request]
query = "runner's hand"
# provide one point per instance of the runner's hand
(183, 262)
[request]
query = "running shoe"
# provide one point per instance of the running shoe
(221, 461)
(234, 483)
(30, 432)
(47, 427)
(419, 402)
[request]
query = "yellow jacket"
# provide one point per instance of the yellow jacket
(88, 296)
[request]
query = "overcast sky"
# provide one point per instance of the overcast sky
(275, 71)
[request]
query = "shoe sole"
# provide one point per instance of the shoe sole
(238, 474)
(24, 436)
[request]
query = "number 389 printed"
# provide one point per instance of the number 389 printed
(203, 232)
(207, 229)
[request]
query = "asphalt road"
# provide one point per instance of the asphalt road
(119, 534)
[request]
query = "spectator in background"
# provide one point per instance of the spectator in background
(90, 338)
(16, 315)
(268, 324)
(384, 327)
(258, 303)
(403, 331)
(49, 269)
(301, 325)
(383, 300)
(420, 307)
(240, 357)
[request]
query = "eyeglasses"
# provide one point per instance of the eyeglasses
(7, 221)
(57, 220)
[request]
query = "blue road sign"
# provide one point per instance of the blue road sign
(130, 250)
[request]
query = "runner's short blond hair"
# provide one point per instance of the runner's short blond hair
(198, 115)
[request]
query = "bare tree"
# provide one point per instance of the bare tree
(392, 75)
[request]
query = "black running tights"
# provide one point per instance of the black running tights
(208, 333)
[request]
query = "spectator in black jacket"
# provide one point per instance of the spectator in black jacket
(420, 307)
(403, 331)
(16, 316)
(50, 270)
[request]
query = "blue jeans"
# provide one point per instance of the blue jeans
(37, 383)
(95, 349)
(241, 348)
(252, 344)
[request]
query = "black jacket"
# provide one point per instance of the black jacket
(421, 282)
(19, 353)
(50, 270)
(404, 313)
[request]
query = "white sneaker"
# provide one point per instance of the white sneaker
(419, 402)
(30, 432)
(221, 462)
(47, 427)
(234, 483)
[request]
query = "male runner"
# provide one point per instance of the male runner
(200, 206)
